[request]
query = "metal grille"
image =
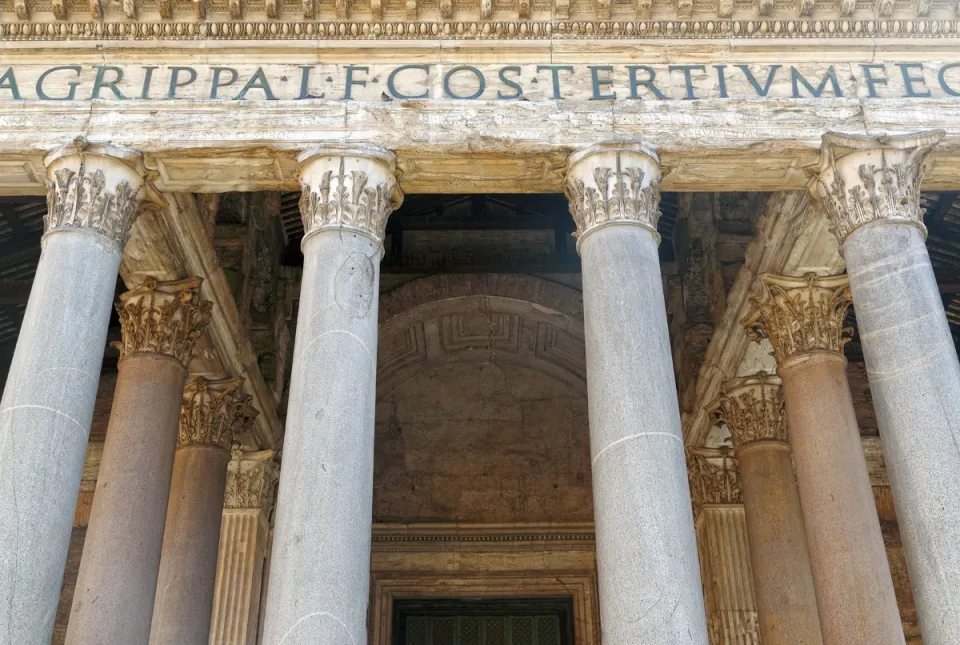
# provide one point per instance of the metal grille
(482, 630)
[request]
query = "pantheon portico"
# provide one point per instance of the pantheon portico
(550, 325)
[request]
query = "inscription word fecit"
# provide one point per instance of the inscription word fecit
(530, 82)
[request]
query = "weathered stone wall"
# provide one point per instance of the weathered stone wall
(481, 441)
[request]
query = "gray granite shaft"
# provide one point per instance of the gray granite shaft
(915, 379)
(320, 567)
(650, 590)
(45, 419)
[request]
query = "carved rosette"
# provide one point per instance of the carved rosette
(801, 315)
(752, 408)
(613, 183)
(214, 412)
(251, 480)
(352, 188)
(714, 477)
(95, 187)
(162, 318)
(865, 179)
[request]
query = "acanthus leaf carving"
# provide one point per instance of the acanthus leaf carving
(214, 412)
(162, 318)
(714, 477)
(358, 199)
(251, 480)
(752, 408)
(613, 183)
(866, 179)
(800, 315)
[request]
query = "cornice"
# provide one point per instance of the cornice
(761, 29)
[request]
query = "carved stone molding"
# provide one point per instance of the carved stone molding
(96, 187)
(214, 411)
(800, 314)
(752, 407)
(251, 480)
(714, 477)
(350, 188)
(425, 29)
(862, 179)
(162, 318)
(613, 183)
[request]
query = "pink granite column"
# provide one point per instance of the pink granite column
(214, 411)
(113, 601)
(803, 318)
(752, 408)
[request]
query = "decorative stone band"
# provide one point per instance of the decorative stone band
(162, 318)
(214, 412)
(251, 480)
(96, 187)
(349, 188)
(863, 179)
(714, 477)
(752, 408)
(613, 183)
(800, 314)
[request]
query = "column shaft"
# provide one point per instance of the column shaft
(870, 189)
(45, 420)
(48, 399)
(320, 566)
(646, 548)
(113, 600)
(855, 594)
(188, 567)
(213, 411)
(319, 577)
(780, 561)
(915, 381)
(243, 541)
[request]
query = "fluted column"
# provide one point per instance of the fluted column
(93, 195)
(251, 485)
(113, 600)
(753, 410)
(728, 590)
(320, 567)
(649, 578)
(214, 411)
(870, 189)
(803, 319)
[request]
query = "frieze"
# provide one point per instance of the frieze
(467, 30)
(635, 81)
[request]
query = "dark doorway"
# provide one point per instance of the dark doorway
(487, 621)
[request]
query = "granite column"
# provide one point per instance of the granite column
(803, 319)
(93, 196)
(320, 566)
(752, 408)
(113, 600)
(649, 577)
(870, 189)
(214, 411)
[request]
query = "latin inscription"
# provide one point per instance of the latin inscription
(528, 82)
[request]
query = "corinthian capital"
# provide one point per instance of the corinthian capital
(251, 479)
(714, 477)
(865, 179)
(95, 187)
(351, 188)
(800, 315)
(613, 183)
(214, 412)
(162, 318)
(752, 407)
